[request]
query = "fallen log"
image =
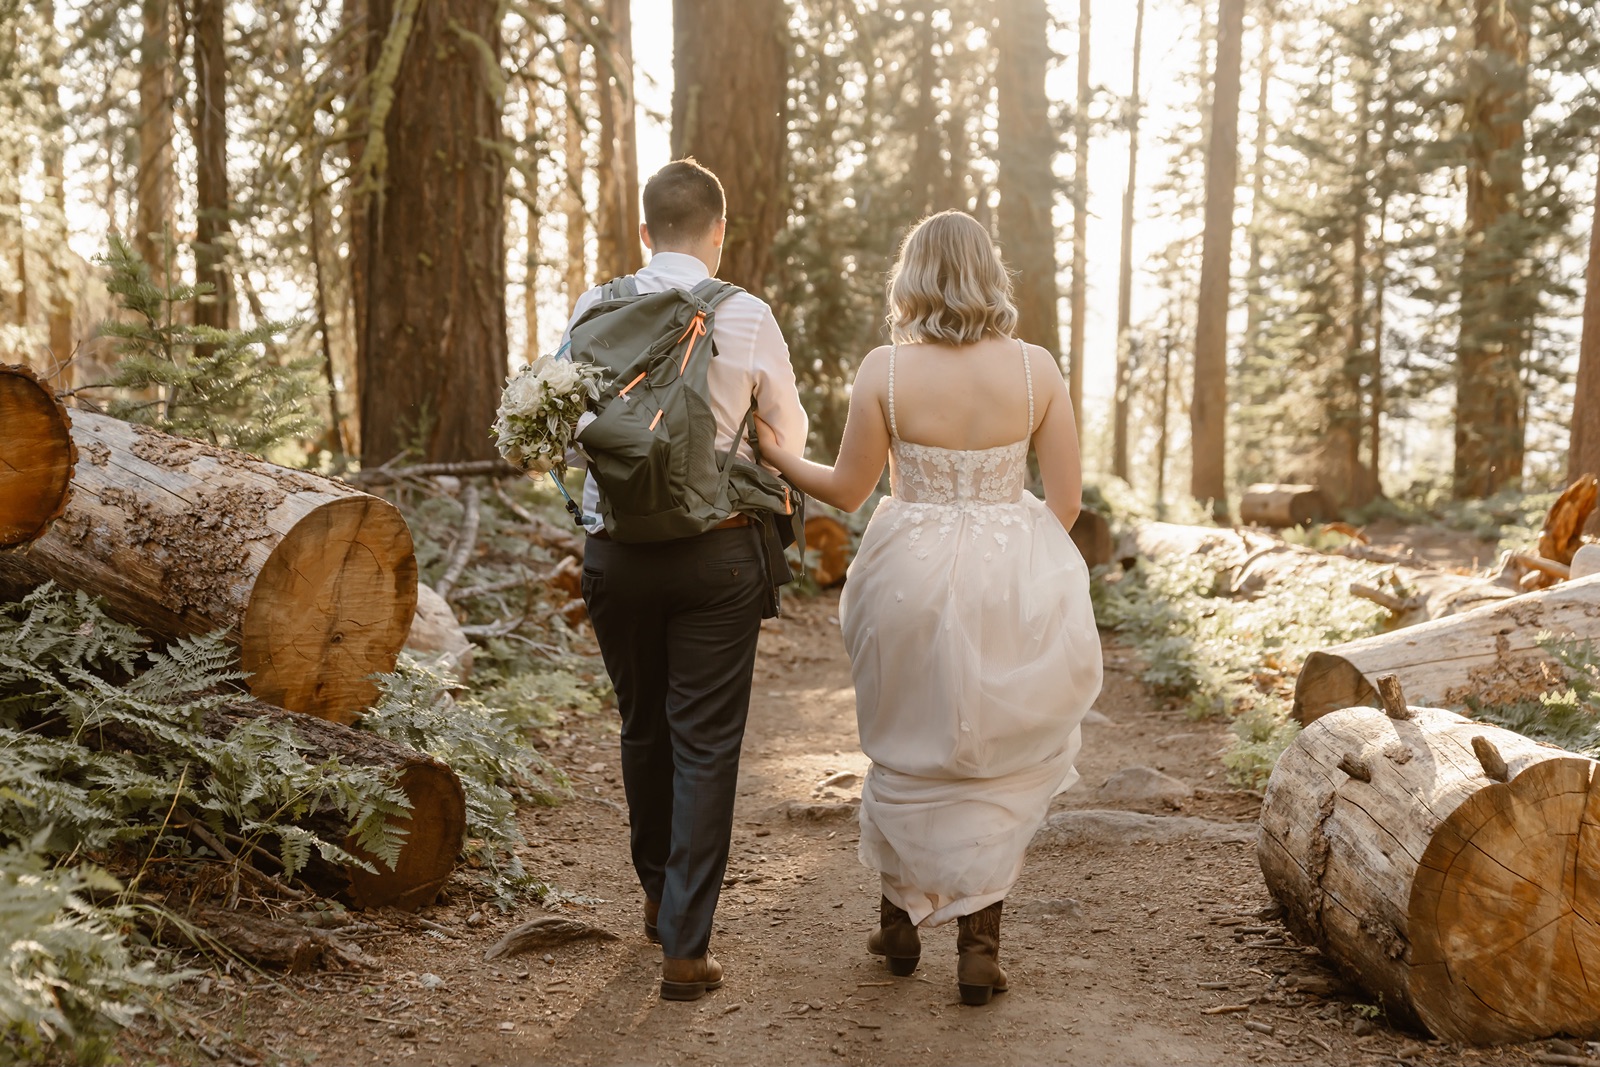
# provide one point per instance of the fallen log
(36, 457)
(316, 581)
(1490, 653)
(1279, 506)
(435, 829)
(1440, 864)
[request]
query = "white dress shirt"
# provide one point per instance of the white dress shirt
(751, 362)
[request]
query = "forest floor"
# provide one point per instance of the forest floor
(1140, 933)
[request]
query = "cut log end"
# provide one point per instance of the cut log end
(36, 457)
(431, 846)
(1505, 909)
(828, 545)
(331, 607)
(1328, 683)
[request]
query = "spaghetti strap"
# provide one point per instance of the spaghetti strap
(894, 429)
(1027, 368)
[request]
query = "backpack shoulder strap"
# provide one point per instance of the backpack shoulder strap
(714, 291)
(618, 288)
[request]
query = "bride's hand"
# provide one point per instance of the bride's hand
(768, 439)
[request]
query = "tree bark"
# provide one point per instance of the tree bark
(1440, 864)
(1208, 414)
(153, 180)
(36, 457)
(316, 581)
(1496, 311)
(1121, 401)
(1489, 652)
(1583, 454)
(213, 208)
(576, 276)
(1027, 150)
(1279, 506)
(432, 353)
(730, 67)
(617, 212)
(1080, 218)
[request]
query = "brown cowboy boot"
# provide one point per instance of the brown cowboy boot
(895, 939)
(652, 912)
(689, 979)
(978, 973)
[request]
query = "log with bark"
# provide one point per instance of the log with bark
(1278, 506)
(1248, 561)
(36, 456)
(1443, 865)
(316, 581)
(434, 831)
(1092, 534)
(1490, 653)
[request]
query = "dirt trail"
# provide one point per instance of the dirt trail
(1117, 944)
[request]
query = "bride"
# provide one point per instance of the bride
(972, 643)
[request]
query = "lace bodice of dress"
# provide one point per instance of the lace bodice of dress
(927, 474)
(923, 474)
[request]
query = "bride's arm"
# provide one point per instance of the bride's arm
(862, 454)
(1055, 442)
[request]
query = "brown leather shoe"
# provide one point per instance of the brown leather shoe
(978, 972)
(895, 939)
(652, 912)
(689, 979)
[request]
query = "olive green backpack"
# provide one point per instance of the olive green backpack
(652, 445)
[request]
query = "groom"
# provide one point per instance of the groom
(677, 621)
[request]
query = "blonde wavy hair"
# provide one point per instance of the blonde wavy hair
(948, 284)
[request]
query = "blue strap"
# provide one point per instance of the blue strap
(573, 507)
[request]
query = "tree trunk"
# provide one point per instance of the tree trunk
(1080, 219)
(1441, 864)
(1255, 301)
(212, 208)
(1583, 454)
(316, 581)
(1489, 653)
(153, 180)
(36, 457)
(730, 67)
(1496, 310)
(576, 277)
(1027, 150)
(1119, 425)
(1208, 415)
(617, 212)
(432, 354)
(925, 156)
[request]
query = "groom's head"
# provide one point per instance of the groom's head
(684, 211)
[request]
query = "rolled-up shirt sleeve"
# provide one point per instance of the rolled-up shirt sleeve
(776, 395)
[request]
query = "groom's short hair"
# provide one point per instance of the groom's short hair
(682, 201)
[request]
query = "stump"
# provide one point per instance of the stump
(36, 457)
(827, 550)
(1444, 865)
(1279, 506)
(1092, 534)
(316, 581)
(1490, 653)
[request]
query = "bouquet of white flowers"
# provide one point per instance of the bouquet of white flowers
(540, 409)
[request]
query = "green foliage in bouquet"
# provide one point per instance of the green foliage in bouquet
(209, 384)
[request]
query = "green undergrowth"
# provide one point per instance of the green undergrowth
(1568, 714)
(1511, 518)
(106, 771)
(1228, 657)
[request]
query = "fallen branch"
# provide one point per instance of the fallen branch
(466, 541)
(544, 932)
(1383, 598)
(1546, 566)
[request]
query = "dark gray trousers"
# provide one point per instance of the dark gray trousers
(677, 624)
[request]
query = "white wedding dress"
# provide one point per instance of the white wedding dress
(975, 657)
